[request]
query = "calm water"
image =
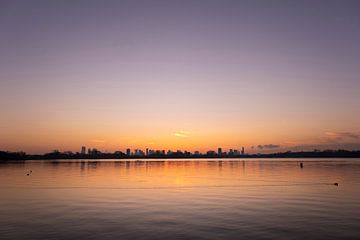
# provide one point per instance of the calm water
(232, 199)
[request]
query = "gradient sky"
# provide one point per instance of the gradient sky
(192, 75)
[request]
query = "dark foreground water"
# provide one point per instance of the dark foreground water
(232, 199)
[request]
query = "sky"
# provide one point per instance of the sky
(188, 75)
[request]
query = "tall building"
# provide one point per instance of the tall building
(211, 153)
(83, 150)
(147, 152)
(219, 151)
(186, 153)
(231, 152)
(242, 151)
(89, 151)
(95, 151)
(139, 153)
(128, 151)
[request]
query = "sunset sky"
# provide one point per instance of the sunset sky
(194, 75)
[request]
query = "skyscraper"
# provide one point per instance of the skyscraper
(242, 151)
(219, 151)
(139, 153)
(128, 151)
(231, 152)
(83, 150)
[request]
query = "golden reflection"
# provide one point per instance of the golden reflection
(167, 174)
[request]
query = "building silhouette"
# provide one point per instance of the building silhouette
(139, 153)
(231, 152)
(211, 153)
(83, 150)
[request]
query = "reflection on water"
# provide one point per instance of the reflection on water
(254, 199)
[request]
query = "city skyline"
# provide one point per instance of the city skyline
(149, 152)
(260, 150)
(190, 75)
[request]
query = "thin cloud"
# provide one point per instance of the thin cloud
(339, 136)
(268, 146)
(290, 142)
(182, 134)
(97, 141)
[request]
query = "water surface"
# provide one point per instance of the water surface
(232, 199)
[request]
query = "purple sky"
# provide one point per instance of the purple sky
(179, 74)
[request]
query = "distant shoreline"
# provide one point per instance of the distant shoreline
(4, 156)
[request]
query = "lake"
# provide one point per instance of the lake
(180, 199)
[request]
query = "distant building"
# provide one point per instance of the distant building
(169, 152)
(83, 150)
(89, 151)
(211, 153)
(95, 151)
(139, 153)
(147, 152)
(69, 153)
(128, 151)
(231, 152)
(159, 152)
(242, 151)
(220, 151)
(196, 153)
